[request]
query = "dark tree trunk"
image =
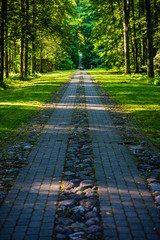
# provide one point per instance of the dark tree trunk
(6, 47)
(140, 43)
(33, 57)
(26, 40)
(22, 42)
(21, 58)
(2, 23)
(150, 67)
(135, 41)
(126, 10)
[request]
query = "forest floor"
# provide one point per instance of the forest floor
(79, 176)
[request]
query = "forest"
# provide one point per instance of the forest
(47, 35)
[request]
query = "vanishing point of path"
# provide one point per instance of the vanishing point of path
(126, 208)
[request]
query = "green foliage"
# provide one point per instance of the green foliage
(46, 25)
(66, 64)
(107, 34)
(157, 62)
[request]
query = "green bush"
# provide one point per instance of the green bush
(157, 63)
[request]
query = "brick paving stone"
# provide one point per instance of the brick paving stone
(33, 231)
(32, 237)
(46, 232)
(34, 186)
(45, 238)
(130, 200)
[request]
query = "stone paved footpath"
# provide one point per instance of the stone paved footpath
(126, 206)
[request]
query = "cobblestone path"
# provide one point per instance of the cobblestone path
(126, 207)
(31, 204)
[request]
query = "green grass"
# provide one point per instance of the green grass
(22, 99)
(138, 96)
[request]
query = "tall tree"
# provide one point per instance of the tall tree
(2, 24)
(126, 11)
(22, 41)
(26, 37)
(135, 47)
(150, 67)
(6, 45)
(33, 54)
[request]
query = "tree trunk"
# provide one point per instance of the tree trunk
(150, 67)
(26, 58)
(144, 51)
(135, 42)
(140, 43)
(26, 40)
(133, 50)
(6, 57)
(2, 23)
(41, 59)
(22, 42)
(126, 10)
(21, 58)
(33, 57)
(6, 45)
(14, 57)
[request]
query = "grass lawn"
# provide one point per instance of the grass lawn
(22, 99)
(137, 96)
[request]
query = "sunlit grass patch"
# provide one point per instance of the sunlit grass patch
(138, 96)
(22, 99)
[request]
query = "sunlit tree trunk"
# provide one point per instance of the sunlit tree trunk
(14, 56)
(33, 58)
(41, 59)
(6, 55)
(150, 67)
(126, 10)
(144, 51)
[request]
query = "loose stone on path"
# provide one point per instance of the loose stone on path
(78, 184)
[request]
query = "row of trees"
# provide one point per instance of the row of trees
(34, 33)
(129, 28)
(37, 35)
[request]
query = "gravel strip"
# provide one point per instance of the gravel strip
(78, 207)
